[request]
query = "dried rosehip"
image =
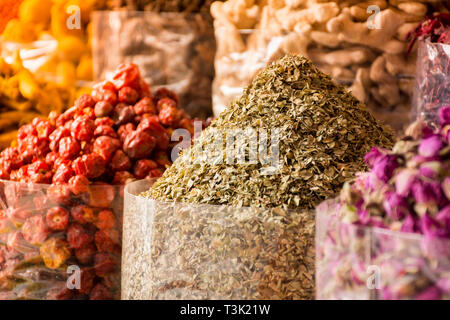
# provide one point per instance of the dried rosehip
(107, 241)
(105, 91)
(35, 230)
(139, 145)
(69, 148)
(13, 157)
(85, 254)
(120, 161)
(104, 263)
(43, 127)
(122, 178)
(166, 93)
(103, 109)
(26, 131)
(55, 252)
(123, 114)
(79, 184)
(77, 236)
(105, 130)
(105, 121)
(39, 172)
(83, 129)
(145, 106)
(127, 75)
(57, 218)
(83, 214)
(165, 103)
(85, 101)
(63, 174)
(125, 130)
(106, 146)
(155, 173)
(60, 194)
(128, 95)
(99, 195)
(100, 292)
(51, 157)
(90, 165)
(169, 117)
(105, 220)
(143, 167)
(152, 126)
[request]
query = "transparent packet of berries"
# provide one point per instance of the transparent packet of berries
(58, 242)
(432, 90)
(175, 250)
(362, 263)
(174, 50)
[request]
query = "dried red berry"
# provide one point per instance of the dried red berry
(120, 161)
(35, 230)
(104, 263)
(139, 145)
(85, 254)
(14, 158)
(155, 173)
(107, 241)
(57, 218)
(105, 220)
(54, 252)
(123, 114)
(105, 130)
(87, 278)
(152, 126)
(105, 121)
(122, 178)
(85, 101)
(145, 106)
(69, 148)
(77, 236)
(51, 157)
(100, 195)
(83, 129)
(169, 117)
(143, 167)
(83, 214)
(124, 130)
(127, 75)
(79, 184)
(63, 174)
(166, 93)
(103, 109)
(128, 95)
(105, 91)
(106, 147)
(90, 165)
(60, 194)
(165, 103)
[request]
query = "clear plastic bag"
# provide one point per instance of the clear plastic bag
(241, 54)
(174, 50)
(355, 262)
(432, 89)
(187, 251)
(60, 243)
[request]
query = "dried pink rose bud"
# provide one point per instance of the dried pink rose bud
(430, 147)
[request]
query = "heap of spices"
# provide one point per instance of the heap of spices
(324, 133)
(406, 191)
(255, 247)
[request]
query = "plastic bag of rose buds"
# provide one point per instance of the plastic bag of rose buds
(172, 49)
(432, 90)
(362, 263)
(189, 251)
(60, 242)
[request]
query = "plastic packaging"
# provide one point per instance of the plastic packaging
(241, 54)
(59, 243)
(174, 50)
(355, 262)
(432, 89)
(187, 251)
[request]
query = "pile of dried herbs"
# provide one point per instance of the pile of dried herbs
(324, 134)
(240, 251)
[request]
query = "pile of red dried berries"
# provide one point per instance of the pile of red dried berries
(119, 133)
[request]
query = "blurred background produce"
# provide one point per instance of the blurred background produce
(336, 36)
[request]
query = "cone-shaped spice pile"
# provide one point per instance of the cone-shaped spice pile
(324, 133)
